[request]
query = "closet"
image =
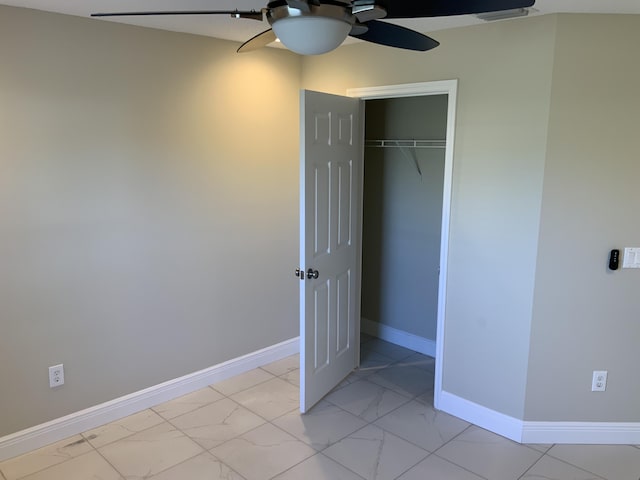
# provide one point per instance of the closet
(404, 165)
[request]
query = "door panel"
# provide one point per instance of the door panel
(329, 164)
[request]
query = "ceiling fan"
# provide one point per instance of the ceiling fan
(312, 27)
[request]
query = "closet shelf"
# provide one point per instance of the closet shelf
(401, 143)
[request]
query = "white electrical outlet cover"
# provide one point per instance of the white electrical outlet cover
(599, 381)
(631, 258)
(56, 375)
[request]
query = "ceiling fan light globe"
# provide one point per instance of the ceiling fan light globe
(311, 35)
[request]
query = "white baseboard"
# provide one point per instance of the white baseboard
(78, 422)
(609, 433)
(481, 416)
(598, 433)
(398, 337)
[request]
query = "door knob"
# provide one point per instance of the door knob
(311, 273)
(299, 273)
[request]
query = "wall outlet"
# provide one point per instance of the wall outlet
(599, 381)
(56, 376)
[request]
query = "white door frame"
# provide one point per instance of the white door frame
(444, 87)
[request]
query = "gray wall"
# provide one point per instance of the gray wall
(585, 317)
(504, 71)
(148, 208)
(402, 215)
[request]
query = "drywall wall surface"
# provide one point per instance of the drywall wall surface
(585, 316)
(402, 214)
(504, 72)
(148, 208)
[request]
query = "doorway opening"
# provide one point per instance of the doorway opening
(408, 163)
(404, 160)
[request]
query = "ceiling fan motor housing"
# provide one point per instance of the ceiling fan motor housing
(314, 30)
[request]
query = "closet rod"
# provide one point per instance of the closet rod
(386, 143)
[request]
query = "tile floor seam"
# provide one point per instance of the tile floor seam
(195, 409)
(460, 466)
(110, 464)
(244, 389)
(451, 440)
(344, 466)
(549, 460)
(376, 419)
(573, 465)
(529, 469)
(55, 464)
(126, 436)
(209, 450)
(415, 464)
(570, 464)
(204, 451)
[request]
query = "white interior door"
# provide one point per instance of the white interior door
(330, 179)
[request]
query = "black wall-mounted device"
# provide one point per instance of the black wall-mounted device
(614, 259)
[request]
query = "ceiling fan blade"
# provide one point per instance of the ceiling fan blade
(250, 14)
(261, 40)
(396, 36)
(443, 8)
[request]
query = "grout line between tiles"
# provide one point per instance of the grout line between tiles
(460, 466)
(533, 464)
(191, 411)
(245, 389)
(573, 465)
(111, 464)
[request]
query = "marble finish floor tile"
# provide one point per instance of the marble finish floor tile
(388, 349)
(422, 425)
(270, 399)
(436, 468)
(203, 467)
(548, 468)
(426, 398)
(284, 366)
(355, 376)
(366, 400)
(489, 455)
(372, 361)
(218, 422)
(243, 381)
(406, 380)
(613, 462)
(293, 377)
(318, 467)
(187, 403)
(123, 428)
(419, 360)
(87, 466)
(541, 447)
(42, 458)
(150, 452)
(263, 453)
(324, 425)
(375, 454)
(379, 423)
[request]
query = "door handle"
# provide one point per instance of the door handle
(299, 273)
(311, 273)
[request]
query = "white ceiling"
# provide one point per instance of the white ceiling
(240, 30)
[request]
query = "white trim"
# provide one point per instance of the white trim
(592, 433)
(78, 422)
(484, 417)
(610, 433)
(403, 90)
(449, 88)
(398, 337)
